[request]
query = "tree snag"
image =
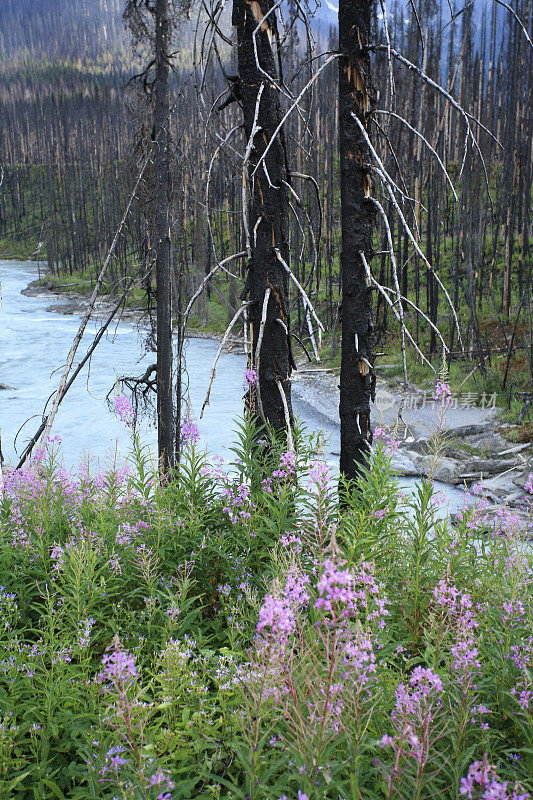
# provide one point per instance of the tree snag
(357, 378)
(161, 134)
(265, 214)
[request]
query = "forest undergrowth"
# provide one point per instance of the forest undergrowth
(237, 633)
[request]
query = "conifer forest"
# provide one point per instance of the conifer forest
(266, 399)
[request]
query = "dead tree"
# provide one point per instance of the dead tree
(152, 23)
(161, 135)
(266, 213)
(357, 379)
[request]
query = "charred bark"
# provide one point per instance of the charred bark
(165, 406)
(267, 214)
(357, 379)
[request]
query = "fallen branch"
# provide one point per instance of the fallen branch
(35, 438)
(85, 319)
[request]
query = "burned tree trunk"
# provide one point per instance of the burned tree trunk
(161, 134)
(357, 379)
(266, 215)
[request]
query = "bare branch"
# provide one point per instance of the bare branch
(424, 316)
(202, 286)
(292, 107)
(309, 310)
(396, 283)
(417, 133)
(389, 302)
(219, 351)
(290, 440)
(517, 18)
(409, 232)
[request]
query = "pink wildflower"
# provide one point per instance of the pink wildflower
(250, 378)
(443, 392)
(124, 409)
(189, 432)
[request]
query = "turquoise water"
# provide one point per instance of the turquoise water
(34, 343)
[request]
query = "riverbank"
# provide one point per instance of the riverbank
(473, 442)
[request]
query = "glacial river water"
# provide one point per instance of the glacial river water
(34, 343)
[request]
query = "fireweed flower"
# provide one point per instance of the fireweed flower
(415, 713)
(350, 594)
(443, 392)
(124, 409)
(57, 555)
(278, 612)
(426, 681)
(454, 605)
(483, 783)
(287, 466)
(189, 432)
(239, 506)
(335, 586)
(119, 668)
(250, 378)
(359, 660)
(291, 541)
(456, 621)
(379, 434)
(319, 476)
(523, 694)
(477, 716)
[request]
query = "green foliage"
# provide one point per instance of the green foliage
(130, 661)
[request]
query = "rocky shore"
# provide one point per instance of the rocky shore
(457, 444)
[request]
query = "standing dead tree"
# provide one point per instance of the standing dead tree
(357, 379)
(152, 23)
(161, 136)
(266, 213)
(266, 199)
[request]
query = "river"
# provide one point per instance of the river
(34, 343)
